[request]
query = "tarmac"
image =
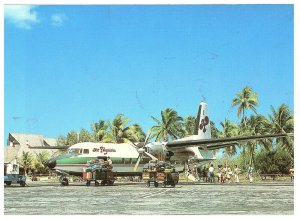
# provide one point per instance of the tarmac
(133, 198)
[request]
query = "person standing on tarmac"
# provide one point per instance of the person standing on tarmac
(250, 173)
(219, 173)
(109, 161)
(211, 177)
(236, 172)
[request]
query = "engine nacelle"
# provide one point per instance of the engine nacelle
(157, 149)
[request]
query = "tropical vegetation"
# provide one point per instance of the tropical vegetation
(266, 156)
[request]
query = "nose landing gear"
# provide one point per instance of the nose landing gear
(64, 180)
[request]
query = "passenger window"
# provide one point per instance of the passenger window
(80, 151)
(86, 151)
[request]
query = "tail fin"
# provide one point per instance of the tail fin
(202, 128)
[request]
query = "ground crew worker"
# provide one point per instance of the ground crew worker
(109, 161)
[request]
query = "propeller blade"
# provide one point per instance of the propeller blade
(147, 137)
(150, 155)
(142, 151)
(137, 163)
(134, 144)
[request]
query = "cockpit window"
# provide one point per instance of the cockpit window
(86, 151)
(74, 151)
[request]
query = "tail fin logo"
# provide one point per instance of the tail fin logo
(204, 122)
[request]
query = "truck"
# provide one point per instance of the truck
(160, 172)
(12, 176)
(99, 170)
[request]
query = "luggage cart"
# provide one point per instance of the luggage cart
(162, 172)
(96, 171)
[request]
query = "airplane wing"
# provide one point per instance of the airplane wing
(51, 147)
(216, 143)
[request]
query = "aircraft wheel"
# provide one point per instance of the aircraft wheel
(65, 182)
(156, 184)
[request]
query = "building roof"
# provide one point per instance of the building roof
(50, 142)
(19, 143)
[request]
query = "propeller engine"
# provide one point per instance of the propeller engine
(143, 151)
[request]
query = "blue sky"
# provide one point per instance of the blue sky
(68, 66)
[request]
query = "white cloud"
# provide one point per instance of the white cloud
(22, 16)
(58, 19)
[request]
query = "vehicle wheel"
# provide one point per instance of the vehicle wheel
(96, 183)
(163, 185)
(65, 182)
(156, 184)
(110, 183)
(173, 184)
(8, 183)
(102, 183)
(148, 184)
(88, 183)
(22, 183)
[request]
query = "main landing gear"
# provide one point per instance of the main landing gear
(64, 180)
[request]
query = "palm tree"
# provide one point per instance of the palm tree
(61, 140)
(169, 126)
(120, 132)
(26, 161)
(215, 132)
(282, 121)
(257, 125)
(85, 136)
(72, 138)
(189, 125)
(245, 100)
(99, 130)
(229, 130)
(136, 133)
(40, 162)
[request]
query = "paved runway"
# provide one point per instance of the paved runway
(136, 199)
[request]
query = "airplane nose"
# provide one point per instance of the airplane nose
(51, 163)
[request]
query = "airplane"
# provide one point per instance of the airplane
(129, 158)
